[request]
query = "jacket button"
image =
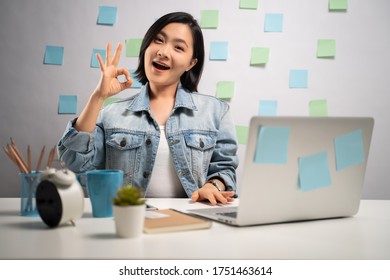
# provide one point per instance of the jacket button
(146, 174)
(148, 141)
(201, 144)
(123, 142)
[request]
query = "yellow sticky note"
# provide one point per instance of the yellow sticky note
(225, 89)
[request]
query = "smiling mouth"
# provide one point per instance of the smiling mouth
(160, 66)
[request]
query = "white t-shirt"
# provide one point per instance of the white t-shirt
(164, 181)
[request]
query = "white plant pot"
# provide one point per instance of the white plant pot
(129, 220)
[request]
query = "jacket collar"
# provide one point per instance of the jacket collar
(142, 101)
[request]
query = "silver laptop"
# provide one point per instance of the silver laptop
(299, 168)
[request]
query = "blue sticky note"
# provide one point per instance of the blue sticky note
(136, 83)
(268, 107)
(273, 23)
(314, 172)
(218, 50)
(67, 104)
(349, 149)
(107, 15)
(54, 55)
(298, 78)
(94, 60)
(272, 145)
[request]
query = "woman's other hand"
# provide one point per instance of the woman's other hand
(212, 194)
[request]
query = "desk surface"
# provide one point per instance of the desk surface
(364, 236)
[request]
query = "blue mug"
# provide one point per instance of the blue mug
(102, 186)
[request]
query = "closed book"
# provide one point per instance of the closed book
(168, 220)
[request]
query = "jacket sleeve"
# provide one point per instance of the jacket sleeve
(224, 160)
(82, 151)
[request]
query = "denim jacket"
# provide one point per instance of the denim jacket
(199, 131)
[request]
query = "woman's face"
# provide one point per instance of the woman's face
(169, 55)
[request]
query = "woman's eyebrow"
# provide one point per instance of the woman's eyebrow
(178, 40)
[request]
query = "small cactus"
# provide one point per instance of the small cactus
(129, 195)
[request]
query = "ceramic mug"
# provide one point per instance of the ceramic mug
(102, 186)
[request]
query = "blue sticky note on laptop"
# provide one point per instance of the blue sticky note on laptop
(314, 172)
(272, 145)
(349, 149)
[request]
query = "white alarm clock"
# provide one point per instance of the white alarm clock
(59, 197)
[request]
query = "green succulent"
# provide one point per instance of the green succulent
(129, 195)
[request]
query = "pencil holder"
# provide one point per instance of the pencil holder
(29, 183)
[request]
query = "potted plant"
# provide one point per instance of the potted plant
(129, 211)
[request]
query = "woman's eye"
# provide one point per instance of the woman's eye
(158, 40)
(179, 48)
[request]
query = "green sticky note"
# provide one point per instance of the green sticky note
(314, 172)
(107, 15)
(326, 48)
(67, 104)
(209, 19)
(133, 47)
(94, 60)
(259, 56)
(249, 4)
(338, 5)
(54, 55)
(272, 145)
(349, 149)
(225, 89)
(242, 134)
(110, 100)
(318, 108)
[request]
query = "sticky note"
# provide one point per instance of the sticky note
(218, 50)
(349, 149)
(94, 60)
(67, 104)
(272, 145)
(136, 83)
(107, 15)
(326, 48)
(249, 4)
(225, 89)
(54, 55)
(314, 172)
(133, 47)
(268, 107)
(242, 134)
(338, 5)
(273, 23)
(259, 56)
(110, 100)
(209, 19)
(298, 78)
(318, 108)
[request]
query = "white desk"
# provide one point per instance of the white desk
(365, 236)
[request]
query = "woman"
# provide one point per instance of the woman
(168, 139)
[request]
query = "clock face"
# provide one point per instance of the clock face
(49, 203)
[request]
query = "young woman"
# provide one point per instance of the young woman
(168, 139)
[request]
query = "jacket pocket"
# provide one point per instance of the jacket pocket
(124, 151)
(200, 147)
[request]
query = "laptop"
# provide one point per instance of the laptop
(298, 169)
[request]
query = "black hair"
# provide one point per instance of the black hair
(190, 79)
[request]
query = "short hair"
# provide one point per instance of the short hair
(190, 79)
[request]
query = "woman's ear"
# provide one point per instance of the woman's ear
(192, 64)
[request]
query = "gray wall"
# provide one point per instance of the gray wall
(354, 83)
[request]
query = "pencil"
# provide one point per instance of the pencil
(18, 160)
(29, 158)
(40, 159)
(15, 149)
(51, 157)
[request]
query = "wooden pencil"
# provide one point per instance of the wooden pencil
(40, 159)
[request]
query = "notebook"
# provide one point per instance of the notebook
(168, 220)
(299, 168)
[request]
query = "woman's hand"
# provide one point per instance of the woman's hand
(211, 193)
(109, 84)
